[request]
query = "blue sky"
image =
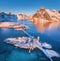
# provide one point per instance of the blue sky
(28, 6)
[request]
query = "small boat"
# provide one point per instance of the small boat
(45, 45)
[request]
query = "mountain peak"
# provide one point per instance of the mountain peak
(42, 8)
(43, 14)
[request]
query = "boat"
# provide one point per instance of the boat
(47, 46)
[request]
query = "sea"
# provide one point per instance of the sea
(11, 53)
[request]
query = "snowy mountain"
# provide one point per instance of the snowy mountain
(42, 16)
(7, 17)
(46, 14)
(22, 16)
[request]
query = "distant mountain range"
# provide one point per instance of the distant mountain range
(22, 16)
(7, 17)
(42, 15)
(47, 14)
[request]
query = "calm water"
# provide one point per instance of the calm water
(11, 53)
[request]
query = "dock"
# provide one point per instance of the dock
(31, 43)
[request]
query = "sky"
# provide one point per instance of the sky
(28, 6)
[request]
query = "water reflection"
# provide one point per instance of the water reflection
(47, 26)
(53, 31)
(54, 25)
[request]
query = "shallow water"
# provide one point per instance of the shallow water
(11, 53)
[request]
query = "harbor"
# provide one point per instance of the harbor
(29, 30)
(18, 50)
(31, 43)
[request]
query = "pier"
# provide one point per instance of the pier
(31, 43)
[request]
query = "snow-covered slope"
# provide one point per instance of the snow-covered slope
(7, 17)
(46, 14)
(42, 15)
(54, 15)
